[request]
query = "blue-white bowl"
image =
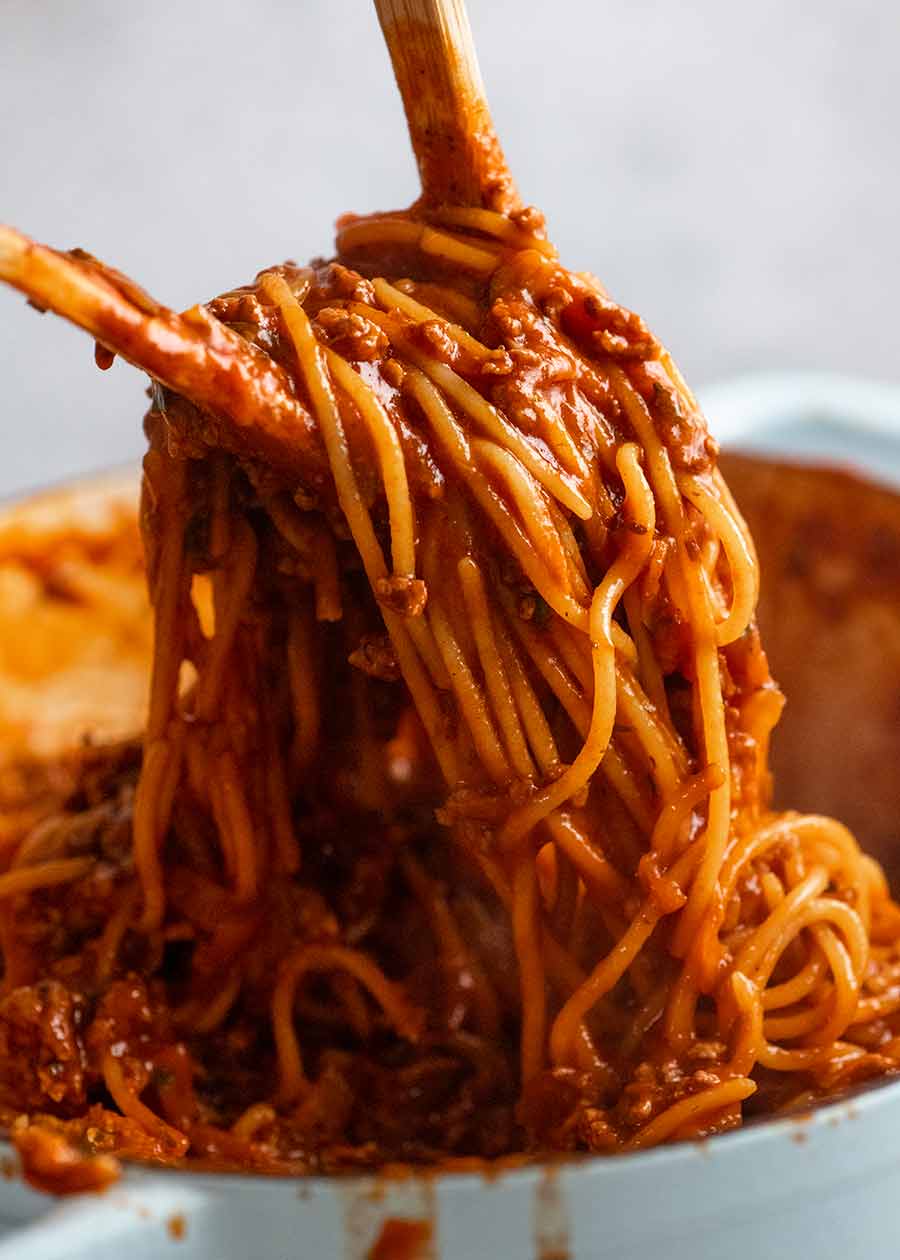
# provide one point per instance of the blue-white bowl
(824, 1187)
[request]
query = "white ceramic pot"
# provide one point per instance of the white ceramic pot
(824, 1187)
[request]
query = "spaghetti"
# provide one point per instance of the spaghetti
(449, 834)
(523, 601)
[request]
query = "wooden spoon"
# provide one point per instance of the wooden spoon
(460, 159)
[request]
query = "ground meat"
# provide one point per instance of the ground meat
(557, 1105)
(433, 337)
(41, 1058)
(534, 385)
(351, 335)
(531, 220)
(344, 282)
(375, 656)
(404, 595)
(609, 328)
(51, 1162)
(125, 1017)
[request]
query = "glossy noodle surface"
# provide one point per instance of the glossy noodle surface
(449, 835)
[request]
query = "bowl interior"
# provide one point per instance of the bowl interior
(829, 547)
(829, 550)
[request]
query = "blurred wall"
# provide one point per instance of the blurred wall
(729, 169)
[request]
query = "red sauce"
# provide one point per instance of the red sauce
(52, 1164)
(177, 1227)
(402, 1239)
(551, 1225)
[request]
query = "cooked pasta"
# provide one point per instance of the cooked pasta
(449, 833)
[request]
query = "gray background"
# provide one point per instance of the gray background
(728, 168)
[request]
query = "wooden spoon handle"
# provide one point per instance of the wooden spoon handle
(459, 156)
(191, 354)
